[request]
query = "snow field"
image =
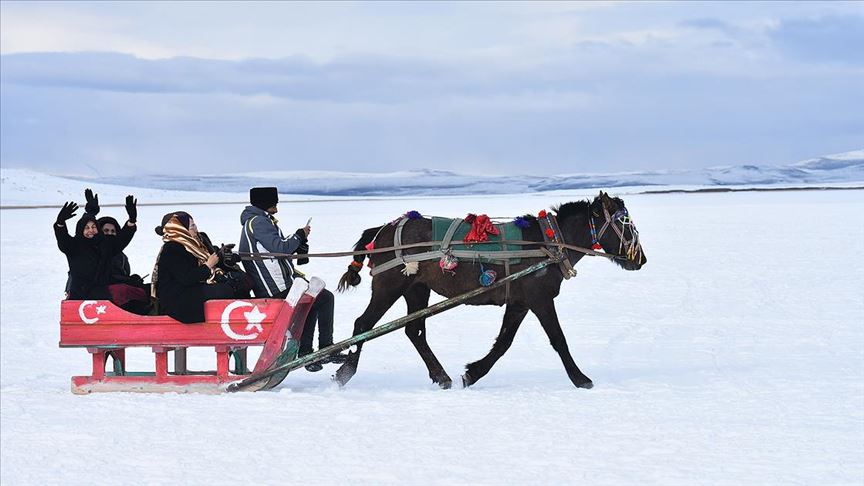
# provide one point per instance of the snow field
(736, 355)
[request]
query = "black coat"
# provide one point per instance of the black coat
(180, 284)
(90, 259)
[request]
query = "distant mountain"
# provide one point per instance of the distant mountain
(837, 168)
(26, 187)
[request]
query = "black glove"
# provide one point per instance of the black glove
(301, 233)
(67, 212)
(132, 209)
(92, 206)
(228, 257)
(302, 250)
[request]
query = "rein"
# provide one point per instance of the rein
(427, 244)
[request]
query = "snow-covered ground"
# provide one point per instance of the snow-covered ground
(735, 356)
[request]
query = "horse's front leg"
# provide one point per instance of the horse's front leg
(513, 316)
(417, 298)
(378, 306)
(545, 312)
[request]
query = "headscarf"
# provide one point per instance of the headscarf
(107, 220)
(176, 229)
(79, 226)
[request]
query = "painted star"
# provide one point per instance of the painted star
(254, 318)
(100, 309)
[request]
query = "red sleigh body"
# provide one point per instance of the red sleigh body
(230, 327)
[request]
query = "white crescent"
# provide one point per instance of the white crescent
(226, 319)
(84, 318)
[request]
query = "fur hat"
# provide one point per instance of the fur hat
(263, 197)
(182, 216)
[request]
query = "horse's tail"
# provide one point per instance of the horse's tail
(351, 278)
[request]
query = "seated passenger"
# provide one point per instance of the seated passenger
(89, 253)
(186, 274)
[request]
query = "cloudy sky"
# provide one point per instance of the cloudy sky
(509, 88)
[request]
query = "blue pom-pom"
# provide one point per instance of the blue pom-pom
(521, 223)
(413, 215)
(487, 278)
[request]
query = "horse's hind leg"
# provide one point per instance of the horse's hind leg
(381, 301)
(513, 316)
(545, 312)
(417, 298)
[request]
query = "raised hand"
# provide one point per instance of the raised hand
(132, 208)
(92, 206)
(67, 212)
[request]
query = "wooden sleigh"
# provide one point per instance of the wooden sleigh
(230, 327)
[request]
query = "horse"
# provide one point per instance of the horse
(578, 222)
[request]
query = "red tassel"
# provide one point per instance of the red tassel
(542, 213)
(596, 246)
(370, 246)
(550, 233)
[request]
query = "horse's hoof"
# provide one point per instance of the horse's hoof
(466, 381)
(585, 384)
(343, 375)
(445, 384)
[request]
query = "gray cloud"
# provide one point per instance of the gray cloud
(825, 39)
(673, 98)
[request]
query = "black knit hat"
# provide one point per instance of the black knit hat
(263, 197)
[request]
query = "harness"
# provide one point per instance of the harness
(501, 257)
(631, 248)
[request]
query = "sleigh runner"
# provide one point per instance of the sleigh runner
(230, 327)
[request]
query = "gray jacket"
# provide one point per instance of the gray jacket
(260, 234)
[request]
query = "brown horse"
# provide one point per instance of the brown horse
(604, 220)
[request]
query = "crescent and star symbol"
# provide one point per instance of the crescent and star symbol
(254, 318)
(100, 309)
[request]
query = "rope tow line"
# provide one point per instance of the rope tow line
(270, 256)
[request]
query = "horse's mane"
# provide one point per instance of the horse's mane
(576, 207)
(571, 208)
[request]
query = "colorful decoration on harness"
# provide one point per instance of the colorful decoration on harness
(521, 222)
(595, 245)
(370, 246)
(410, 268)
(448, 263)
(481, 228)
(410, 215)
(487, 277)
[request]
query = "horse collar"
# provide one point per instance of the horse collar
(552, 233)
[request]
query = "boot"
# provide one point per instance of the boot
(311, 367)
(337, 358)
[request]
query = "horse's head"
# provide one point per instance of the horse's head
(613, 229)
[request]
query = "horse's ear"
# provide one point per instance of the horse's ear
(605, 199)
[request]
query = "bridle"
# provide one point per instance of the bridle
(629, 248)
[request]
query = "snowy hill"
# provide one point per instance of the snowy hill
(18, 185)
